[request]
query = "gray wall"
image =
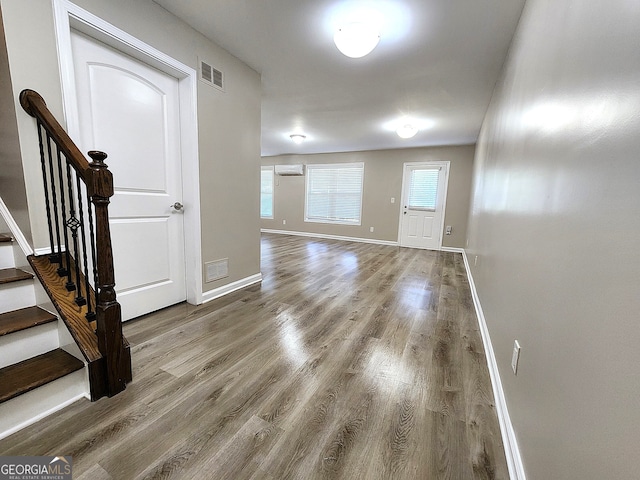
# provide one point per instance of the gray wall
(12, 187)
(555, 224)
(30, 41)
(229, 122)
(382, 180)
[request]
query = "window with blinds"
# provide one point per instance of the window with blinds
(266, 192)
(334, 193)
(423, 189)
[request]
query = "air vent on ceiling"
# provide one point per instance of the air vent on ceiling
(211, 76)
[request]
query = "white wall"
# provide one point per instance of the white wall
(555, 223)
(30, 41)
(12, 187)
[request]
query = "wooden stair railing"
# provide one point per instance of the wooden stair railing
(82, 254)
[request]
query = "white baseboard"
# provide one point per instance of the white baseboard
(16, 233)
(231, 287)
(41, 251)
(331, 237)
(452, 249)
(47, 250)
(511, 450)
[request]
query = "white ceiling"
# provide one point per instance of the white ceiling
(437, 62)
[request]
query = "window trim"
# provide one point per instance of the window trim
(319, 166)
(271, 168)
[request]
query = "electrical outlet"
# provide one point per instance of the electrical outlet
(371, 229)
(284, 222)
(393, 200)
(448, 230)
(515, 357)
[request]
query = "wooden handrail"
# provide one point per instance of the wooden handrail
(98, 182)
(98, 179)
(34, 105)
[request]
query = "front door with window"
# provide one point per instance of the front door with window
(423, 200)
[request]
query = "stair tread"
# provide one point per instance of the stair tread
(8, 275)
(24, 318)
(34, 372)
(5, 238)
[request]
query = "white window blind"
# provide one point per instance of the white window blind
(423, 189)
(266, 192)
(334, 193)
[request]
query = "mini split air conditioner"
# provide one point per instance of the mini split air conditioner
(289, 169)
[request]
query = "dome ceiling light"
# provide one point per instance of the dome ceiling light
(356, 39)
(406, 130)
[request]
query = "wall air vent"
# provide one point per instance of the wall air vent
(216, 270)
(211, 76)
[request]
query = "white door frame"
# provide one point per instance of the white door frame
(445, 168)
(68, 15)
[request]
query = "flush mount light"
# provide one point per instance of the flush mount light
(406, 130)
(298, 138)
(356, 39)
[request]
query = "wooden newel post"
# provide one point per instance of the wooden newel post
(108, 315)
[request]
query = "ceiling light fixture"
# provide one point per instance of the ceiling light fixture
(297, 138)
(356, 39)
(406, 130)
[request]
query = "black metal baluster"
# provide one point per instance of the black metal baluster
(92, 238)
(56, 216)
(71, 222)
(87, 289)
(52, 258)
(63, 269)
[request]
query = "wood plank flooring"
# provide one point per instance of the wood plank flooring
(349, 361)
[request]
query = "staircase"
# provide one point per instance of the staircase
(47, 361)
(37, 377)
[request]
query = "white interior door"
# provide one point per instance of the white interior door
(131, 111)
(424, 193)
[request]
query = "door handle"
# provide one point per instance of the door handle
(178, 206)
